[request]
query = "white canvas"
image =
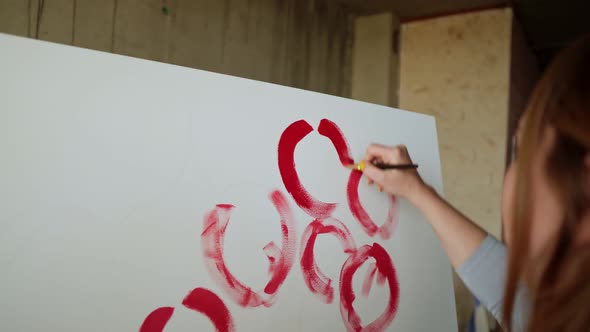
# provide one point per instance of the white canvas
(109, 165)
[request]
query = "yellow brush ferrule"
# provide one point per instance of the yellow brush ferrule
(361, 166)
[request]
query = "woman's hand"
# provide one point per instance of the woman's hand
(459, 235)
(406, 183)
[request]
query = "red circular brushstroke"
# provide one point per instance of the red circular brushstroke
(286, 152)
(380, 278)
(351, 319)
(330, 130)
(280, 259)
(368, 282)
(360, 214)
(157, 320)
(317, 282)
(210, 305)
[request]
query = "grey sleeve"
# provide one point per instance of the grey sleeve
(484, 273)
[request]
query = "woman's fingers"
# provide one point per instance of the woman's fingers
(395, 182)
(378, 152)
(387, 154)
(374, 174)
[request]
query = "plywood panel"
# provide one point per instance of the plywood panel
(56, 23)
(14, 17)
(142, 29)
(197, 34)
(457, 69)
(94, 22)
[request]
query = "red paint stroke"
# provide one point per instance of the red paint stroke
(368, 283)
(317, 282)
(380, 278)
(280, 260)
(360, 214)
(351, 319)
(157, 320)
(286, 152)
(332, 131)
(210, 305)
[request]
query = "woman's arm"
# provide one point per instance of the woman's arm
(479, 259)
(484, 273)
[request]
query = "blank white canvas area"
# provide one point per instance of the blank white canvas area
(108, 165)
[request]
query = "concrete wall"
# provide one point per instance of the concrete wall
(299, 43)
(457, 68)
(375, 59)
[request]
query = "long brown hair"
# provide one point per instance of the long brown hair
(558, 280)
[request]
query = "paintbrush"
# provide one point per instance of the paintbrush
(361, 166)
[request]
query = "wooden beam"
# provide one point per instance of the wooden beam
(374, 74)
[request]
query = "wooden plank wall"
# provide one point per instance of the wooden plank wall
(299, 43)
